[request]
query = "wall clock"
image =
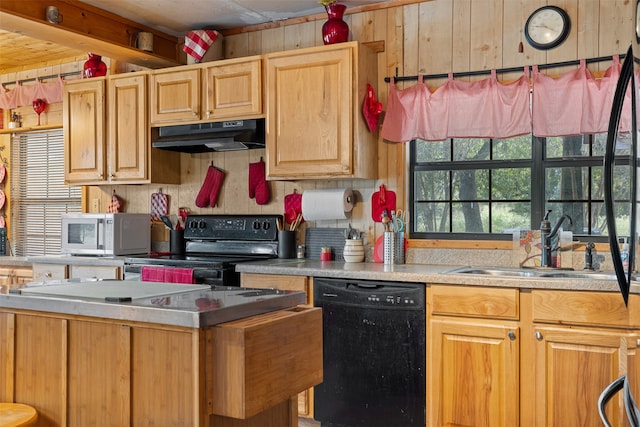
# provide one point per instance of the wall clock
(547, 27)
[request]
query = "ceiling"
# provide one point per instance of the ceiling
(178, 17)
(19, 52)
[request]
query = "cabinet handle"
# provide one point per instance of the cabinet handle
(538, 336)
(195, 114)
(512, 335)
(208, 114)
(47, 274)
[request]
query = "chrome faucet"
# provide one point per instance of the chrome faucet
(547, 233)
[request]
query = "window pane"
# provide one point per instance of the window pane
(623, 144)
(471, 149)
(428, 151)
(567, 146)
(432, 217)
(471, 217)
(505, 217)
(569, 183)
(470, 185)
(518, 147)
(599, 144)
(432, 185)
(621, 180)
(511, 184)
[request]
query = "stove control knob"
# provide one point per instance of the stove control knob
(202, 225)
(266, 225)
(256, 225)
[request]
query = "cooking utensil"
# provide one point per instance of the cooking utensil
(166, 221)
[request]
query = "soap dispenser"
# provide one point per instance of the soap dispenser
(624, 255)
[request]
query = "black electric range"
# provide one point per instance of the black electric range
(214, 244)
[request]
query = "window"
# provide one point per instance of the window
(38, 193)
(486, 189)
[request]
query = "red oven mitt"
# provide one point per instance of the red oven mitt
(210, 190)
(258, 185)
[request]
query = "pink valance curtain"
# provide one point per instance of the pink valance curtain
(23, 95)
(575, 103)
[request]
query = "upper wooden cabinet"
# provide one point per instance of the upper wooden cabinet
(315, 128)
(214, 90)
(232, 88)
(175, 95)
(107, 145)
(83, 121)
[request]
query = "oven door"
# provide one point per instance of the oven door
(221, 276)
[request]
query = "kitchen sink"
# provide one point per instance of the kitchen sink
(509, 272)
(551, 273)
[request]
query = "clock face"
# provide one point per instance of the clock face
(547, 27)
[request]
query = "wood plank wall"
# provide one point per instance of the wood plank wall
(429, 37)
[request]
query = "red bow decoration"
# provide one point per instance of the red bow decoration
(371, 109)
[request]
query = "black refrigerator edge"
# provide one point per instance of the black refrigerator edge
(623, 126)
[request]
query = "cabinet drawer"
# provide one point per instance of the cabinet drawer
(49, 271)
(277, 281)
(262, 360)
(501, 303)
(588, 308)
(90, 271)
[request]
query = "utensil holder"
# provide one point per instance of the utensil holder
(176, 242)
(286, 244)
(393, 248)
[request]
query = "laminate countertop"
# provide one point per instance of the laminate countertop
(429, 274)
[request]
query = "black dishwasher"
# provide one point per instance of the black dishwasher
(373, 353)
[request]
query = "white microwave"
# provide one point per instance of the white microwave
(106, 234)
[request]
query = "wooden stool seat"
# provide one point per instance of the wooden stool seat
(17, 415)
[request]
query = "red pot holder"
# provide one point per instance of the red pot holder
(382, 200)
(292, 206)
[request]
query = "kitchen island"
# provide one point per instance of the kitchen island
(117, 353)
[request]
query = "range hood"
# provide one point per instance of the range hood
(230, 135)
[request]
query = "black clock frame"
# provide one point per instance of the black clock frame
(561, 38)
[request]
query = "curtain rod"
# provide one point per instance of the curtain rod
(52, 76)
(499, 70)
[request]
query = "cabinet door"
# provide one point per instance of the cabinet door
(83, 120)
(309, 122)
(233, 89)
(572, 367)
(175, 96)
(473, 374)
(288, 283)
(128, 145)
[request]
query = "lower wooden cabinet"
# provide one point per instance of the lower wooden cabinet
(289, 283)
(79, 371)
(509, 357)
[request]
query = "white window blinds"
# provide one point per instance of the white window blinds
(38, 193)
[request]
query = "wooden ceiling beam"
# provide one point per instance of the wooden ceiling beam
(90, 29)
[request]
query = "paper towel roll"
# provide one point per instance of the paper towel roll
(334, 203)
